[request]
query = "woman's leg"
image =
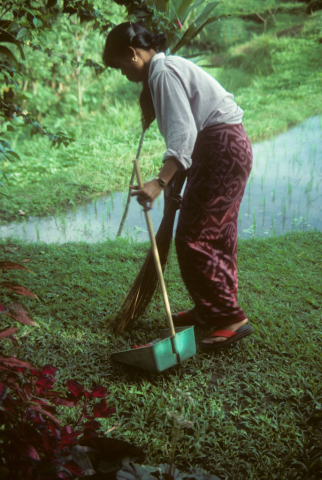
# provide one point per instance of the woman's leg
(206, 237)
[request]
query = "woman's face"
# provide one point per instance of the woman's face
(129, 67)
(133, 64)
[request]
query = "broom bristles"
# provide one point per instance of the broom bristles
(141, 293)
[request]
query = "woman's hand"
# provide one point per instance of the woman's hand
(148, 194)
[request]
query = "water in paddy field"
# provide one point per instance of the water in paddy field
(283, 193)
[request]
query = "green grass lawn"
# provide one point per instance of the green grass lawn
(275, 80)
(258, 412)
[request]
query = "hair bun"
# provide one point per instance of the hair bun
(159, 42)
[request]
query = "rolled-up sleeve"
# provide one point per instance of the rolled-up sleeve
(174, 117)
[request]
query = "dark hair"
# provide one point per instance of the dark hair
(134, 35)
(130, 34)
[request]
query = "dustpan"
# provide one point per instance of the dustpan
(175, 344)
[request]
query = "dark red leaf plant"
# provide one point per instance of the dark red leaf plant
(16, 311)
(34, 442)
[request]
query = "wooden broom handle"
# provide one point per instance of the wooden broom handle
(156, 255)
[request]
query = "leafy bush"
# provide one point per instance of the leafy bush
(254, 57)
(35, 442)
(313, 27)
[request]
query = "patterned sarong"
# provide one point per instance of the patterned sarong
(206, 237)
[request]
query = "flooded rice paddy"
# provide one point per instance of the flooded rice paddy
(283, 193)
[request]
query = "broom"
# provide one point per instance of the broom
(141, 293)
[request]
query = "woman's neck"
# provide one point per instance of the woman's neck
(146, 56)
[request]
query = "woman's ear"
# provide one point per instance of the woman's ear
(132, 53)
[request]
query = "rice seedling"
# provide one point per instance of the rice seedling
(63, 224)
(277, 172)
(313, 151)
(264, 206)
(249, 184)
(137, 232)
(309, 186)
(289, 187)
(254, 222)
(284, 212)
(37, 232)
(86, 232)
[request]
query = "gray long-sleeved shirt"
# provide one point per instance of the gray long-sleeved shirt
(186, 100)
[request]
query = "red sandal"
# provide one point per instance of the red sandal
(232, 337)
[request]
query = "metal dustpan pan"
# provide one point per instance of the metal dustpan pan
(162, 353)
(175, 344)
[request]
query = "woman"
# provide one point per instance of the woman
(202, 128)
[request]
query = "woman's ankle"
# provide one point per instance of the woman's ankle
(236, 325)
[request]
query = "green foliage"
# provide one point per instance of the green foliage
(22, 21)
(264, 395)
(313, 27)
(240, 21)
(253, 58)
(228, 32)
(27, 25)
(179, 19)
(254, 7)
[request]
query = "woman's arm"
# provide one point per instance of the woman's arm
(178, 127)
(152, 189)
(175, 118)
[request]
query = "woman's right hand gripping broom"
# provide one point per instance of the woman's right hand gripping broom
(148, 194)
(152, 189)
